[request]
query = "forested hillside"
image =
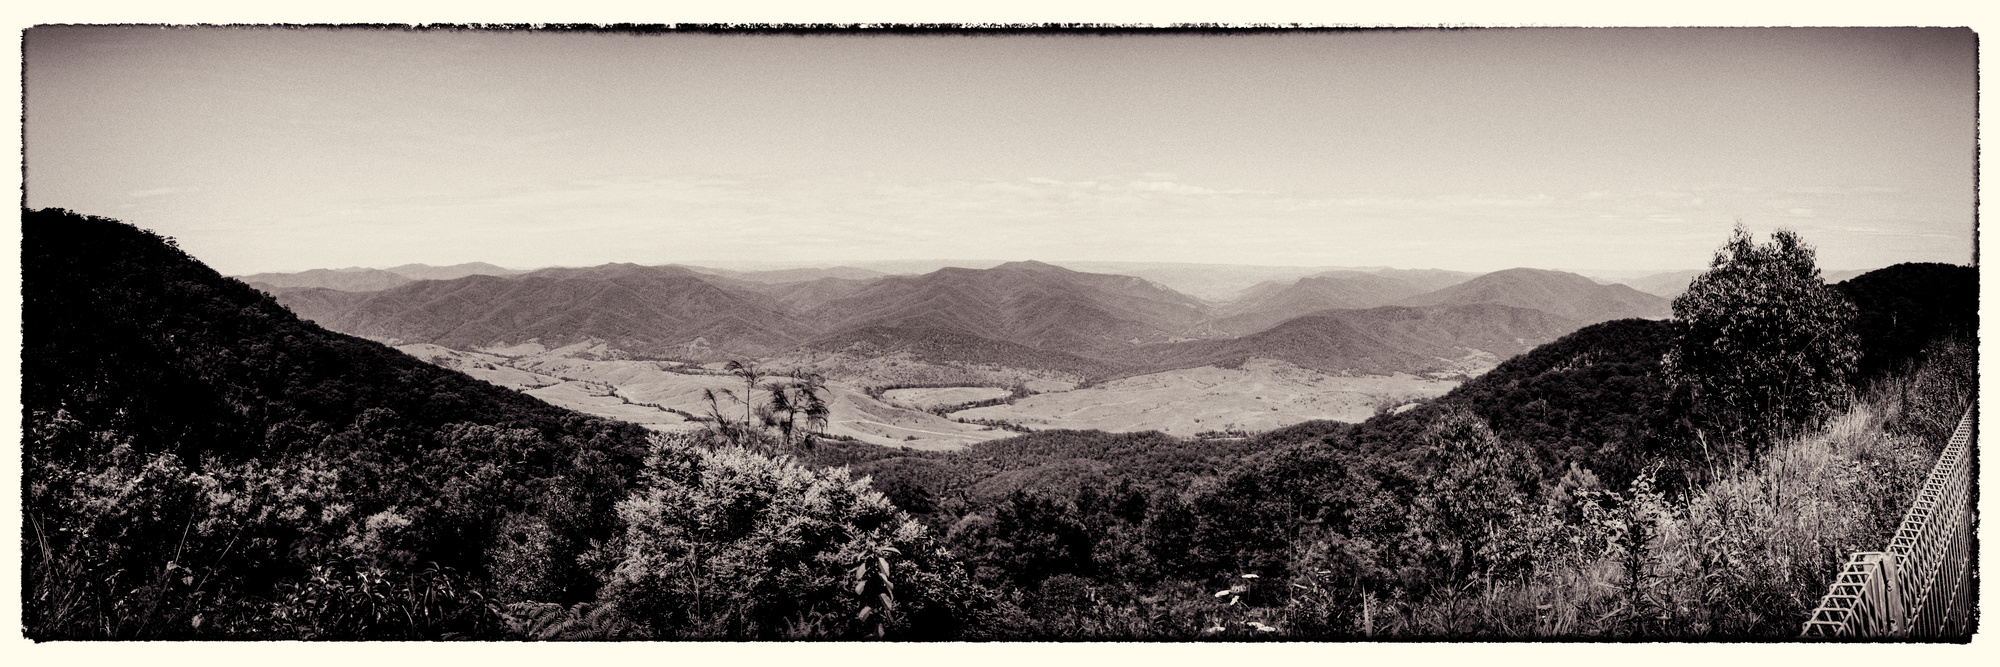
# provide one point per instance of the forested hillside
(1593, 398)
(1902, 308)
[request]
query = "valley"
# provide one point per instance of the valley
(941, 360)
(1258, 395)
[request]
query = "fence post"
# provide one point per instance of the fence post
(1894, 601)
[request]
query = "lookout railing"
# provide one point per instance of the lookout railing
(1920, 587)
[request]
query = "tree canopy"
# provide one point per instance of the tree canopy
(1762, 344)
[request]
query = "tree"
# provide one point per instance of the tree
(1761, 343)
(753, 380)
(798, 409)
(795, 410)
(1472, 482)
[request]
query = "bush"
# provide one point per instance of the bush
(727, 543)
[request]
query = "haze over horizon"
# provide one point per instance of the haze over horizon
(267, 150)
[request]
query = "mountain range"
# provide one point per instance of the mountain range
(358, 279)
(647, 311)
(1026, 314)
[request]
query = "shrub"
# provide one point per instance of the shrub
(728, 543)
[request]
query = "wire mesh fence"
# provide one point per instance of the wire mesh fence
(1920, 586)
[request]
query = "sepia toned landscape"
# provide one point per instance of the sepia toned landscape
(592, 334)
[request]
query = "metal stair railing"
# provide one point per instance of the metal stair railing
(1921, 585)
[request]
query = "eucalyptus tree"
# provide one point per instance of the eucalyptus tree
(1762, 344)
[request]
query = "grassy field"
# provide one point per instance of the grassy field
(1259, 395)
(925, 398)
(660, 395)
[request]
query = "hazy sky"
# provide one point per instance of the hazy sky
(282, 149)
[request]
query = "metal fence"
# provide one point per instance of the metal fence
(1920, 587)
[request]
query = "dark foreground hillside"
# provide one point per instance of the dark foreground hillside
(124, 332)
(1903, 308)
(198, 462)
(1593, 398)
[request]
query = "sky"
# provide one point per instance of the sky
(273, 149)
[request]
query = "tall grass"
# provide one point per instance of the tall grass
(1747, 555)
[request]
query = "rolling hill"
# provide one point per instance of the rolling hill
(428, 272)
(778, 276)
(1668, 285)
(346, 280)
(648, 311)
(1268, 304)
(1214, 282)
(1382, 341)
(1027, 303)
(358, 279)
(1566, 295)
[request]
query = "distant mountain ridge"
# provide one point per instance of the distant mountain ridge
(1559, 293)
(1671, 284)
(1267, 304)
(781, 276)
(1381, 341)
(1029, 303)
(661, 311)
(346, 280)
(1026, 314)
(428, 272)
(357, 279)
